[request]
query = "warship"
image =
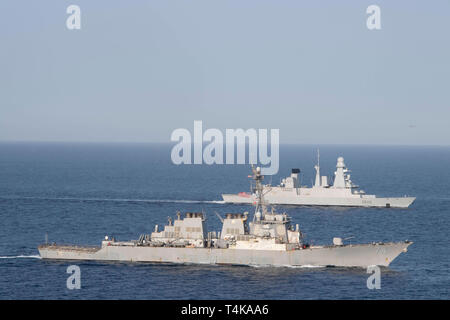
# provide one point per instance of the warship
(343, 192)
(270, 239)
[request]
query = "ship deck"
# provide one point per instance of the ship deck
(70, 247)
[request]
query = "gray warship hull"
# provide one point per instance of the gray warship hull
(357, 201)
(343, 192)
(360, 255)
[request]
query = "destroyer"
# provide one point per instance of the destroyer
(342, 193)
(269, 239)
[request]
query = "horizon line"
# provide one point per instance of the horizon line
(173, 143)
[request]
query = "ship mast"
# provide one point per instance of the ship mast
(260, 205)
(317, 167)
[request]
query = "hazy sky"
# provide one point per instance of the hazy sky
(137, 70)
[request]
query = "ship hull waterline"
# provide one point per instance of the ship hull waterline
(400, 202)
(362, 255)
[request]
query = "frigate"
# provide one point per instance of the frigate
(343, 192)
(270, 239)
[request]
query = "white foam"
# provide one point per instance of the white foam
(305, 266)
(34, 256)
(285, 266)
(123, 200)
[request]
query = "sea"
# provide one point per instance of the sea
(77, 193)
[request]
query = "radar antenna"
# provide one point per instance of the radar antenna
(260, 205)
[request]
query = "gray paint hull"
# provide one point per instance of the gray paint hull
(401, 202)
(345, 256)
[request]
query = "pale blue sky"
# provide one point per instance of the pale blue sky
(137, 70)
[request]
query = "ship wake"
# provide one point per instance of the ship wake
(117, 200)
(34, 256)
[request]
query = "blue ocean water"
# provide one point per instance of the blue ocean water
(78, 193)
